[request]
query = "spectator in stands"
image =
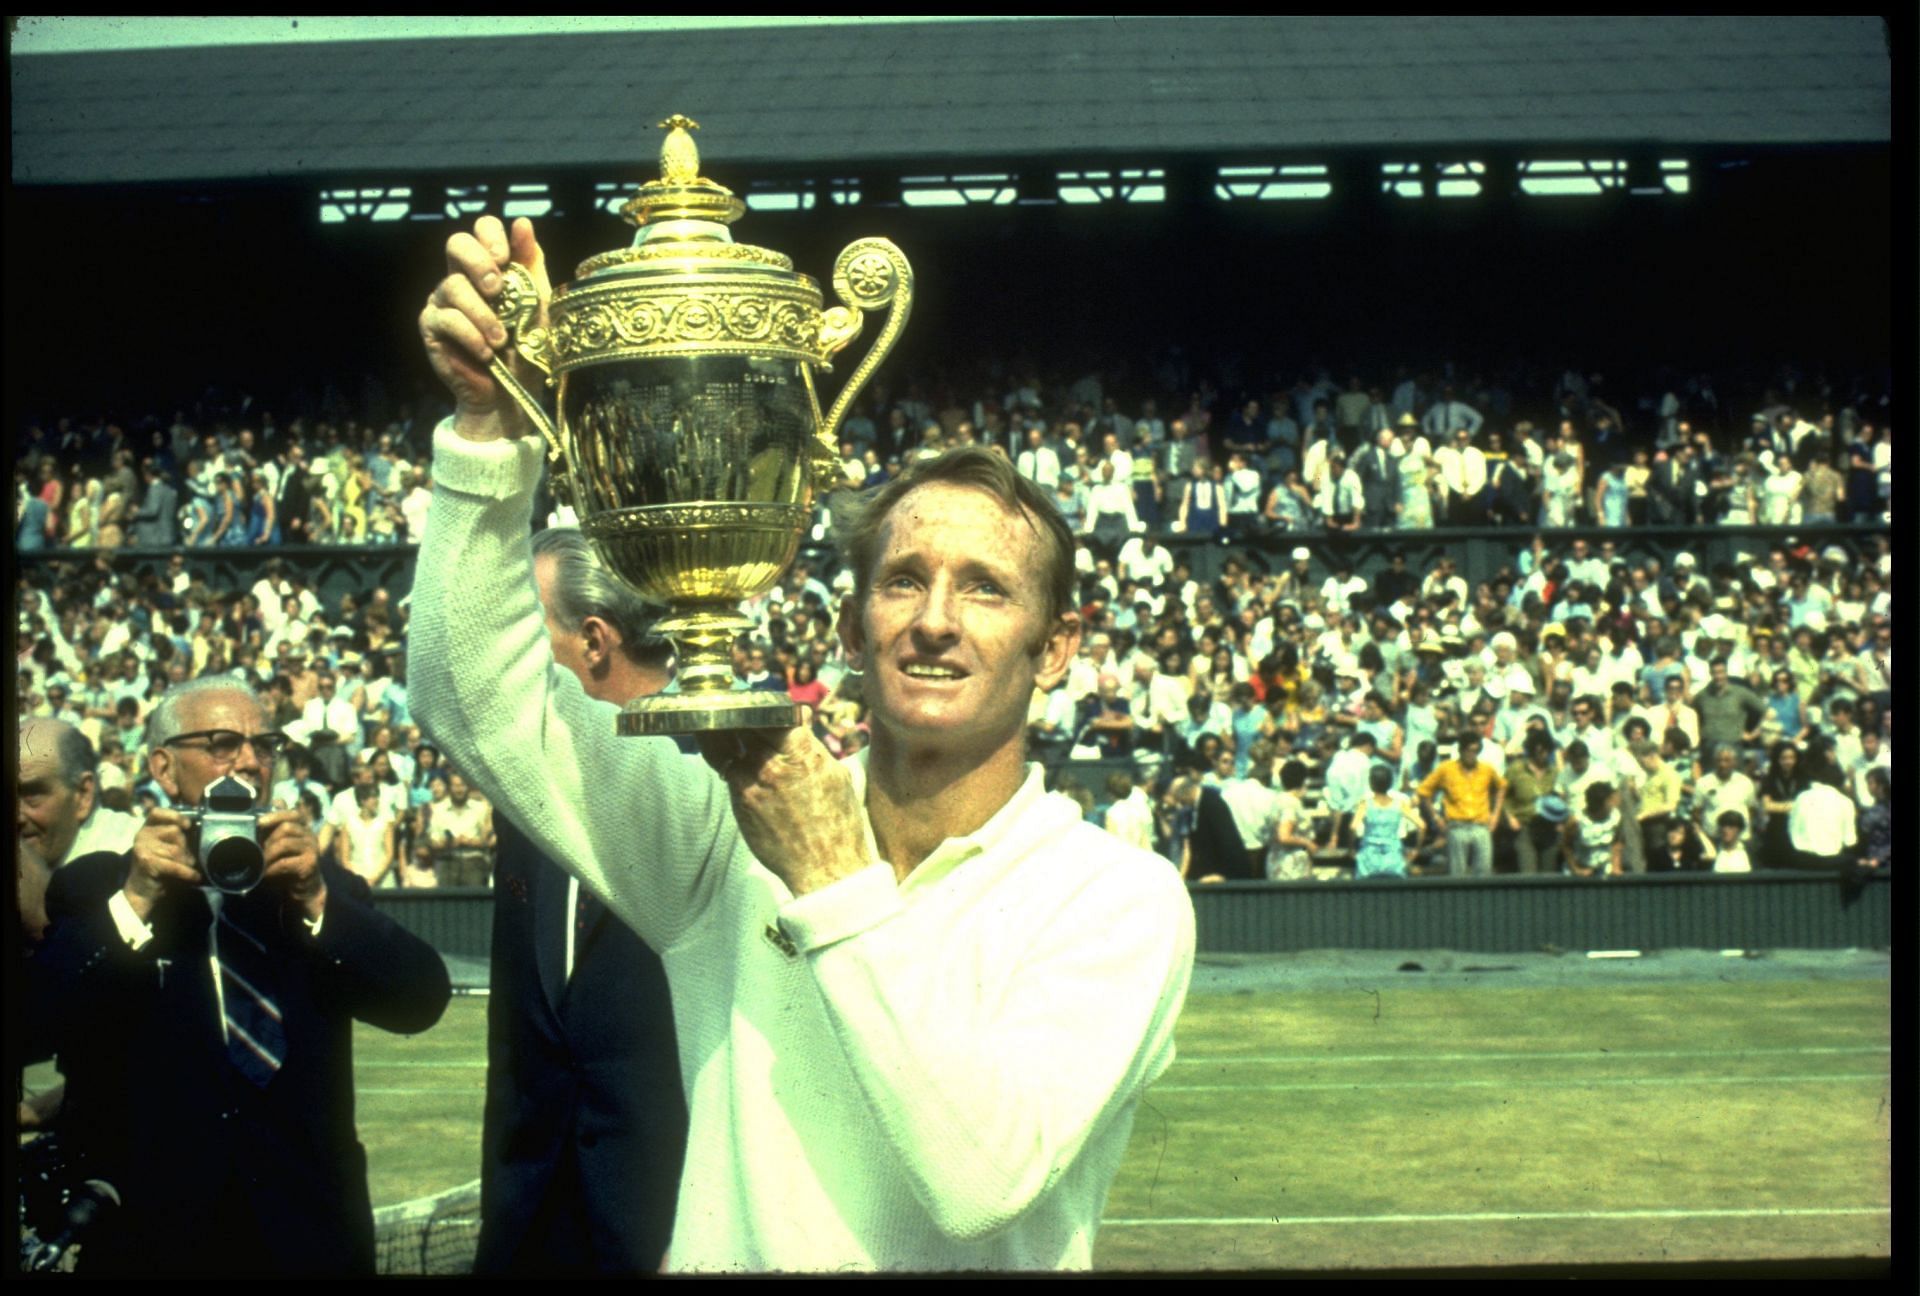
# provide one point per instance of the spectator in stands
(1875, 828)
(1535, 837)
(1214, 852)
(1822, 821)
(1610, 496)
(1822, 485)
(367, 838)
(1105, 720)
(1779, 493)
(1784, 706)
(1289, 503)
(1203, 505)
(1380, 824)
(463, 837)
(1462, 471)
(1129, 813)
(1658, 796)
(1382, 493)
(1779, 789)
(35, 523)
(1289, 853)
(1348, 781)
(1675, 488)
(1339, 497)
(1593, 837)
(1474, 797)
(1728, 849)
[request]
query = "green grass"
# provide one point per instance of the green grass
(1325, 1129)
(1284, 1110)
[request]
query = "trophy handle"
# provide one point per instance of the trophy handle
(518, 305)
(869, 274)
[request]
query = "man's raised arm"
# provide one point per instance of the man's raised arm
(632, 819)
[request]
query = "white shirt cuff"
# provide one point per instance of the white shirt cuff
(133, 931)
(503, 469)
(845, 908)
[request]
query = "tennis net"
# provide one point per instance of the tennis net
(429, 1235)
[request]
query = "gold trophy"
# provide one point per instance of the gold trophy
(689, 419)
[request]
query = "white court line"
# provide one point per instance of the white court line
(1592, 1055)
(434, 1089)
(1349, 1086)
(1496, 1217)
(1309, 1059)
(1570, 1083)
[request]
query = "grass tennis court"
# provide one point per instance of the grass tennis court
(1321, 1129)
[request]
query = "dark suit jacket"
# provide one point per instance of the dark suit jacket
(155, 525)
(1379, 481)
(296, 498)
(586, 1124)
(216, 1175)
(1671, 490)
(1217, 847)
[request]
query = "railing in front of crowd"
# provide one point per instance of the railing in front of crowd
(1478, 553)
(1505, 913)
(329, 570)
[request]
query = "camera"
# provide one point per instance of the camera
(60, 1209)
(225, 836)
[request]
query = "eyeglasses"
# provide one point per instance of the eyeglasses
(224, 744)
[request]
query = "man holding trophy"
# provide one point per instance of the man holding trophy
(918, 1000)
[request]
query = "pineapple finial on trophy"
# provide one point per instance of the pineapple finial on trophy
(679, 159)
(681, 194)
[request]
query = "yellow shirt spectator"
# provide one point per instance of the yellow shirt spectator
(1469, 792)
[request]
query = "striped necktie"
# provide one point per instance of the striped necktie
(256, 1034)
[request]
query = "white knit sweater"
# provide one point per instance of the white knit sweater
(936, 1074)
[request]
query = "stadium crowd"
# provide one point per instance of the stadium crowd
(1577, 711)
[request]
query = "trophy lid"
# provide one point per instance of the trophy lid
(681, 193)
(682, 217)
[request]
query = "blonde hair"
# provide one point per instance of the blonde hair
(858, 518)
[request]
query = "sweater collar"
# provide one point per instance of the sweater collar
(1031, 812)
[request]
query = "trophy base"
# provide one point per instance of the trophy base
(668, 715)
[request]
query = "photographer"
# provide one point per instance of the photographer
(206, 1035)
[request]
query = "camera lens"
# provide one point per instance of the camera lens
(235, 864)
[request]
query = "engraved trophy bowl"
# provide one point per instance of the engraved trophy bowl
(689, 420)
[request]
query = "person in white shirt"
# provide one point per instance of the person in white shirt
(1338, 591)
(1038, 463)
(1463, 478)
(1727, 788)
(1144, 559)
(1339, 495)
(1873, 756)
(414, 504)
(924, 998)
(1243, 487)
(1730, 843)
(1130, 817)
(366, 838)
(1821, 825)
(329, 711)
(1674, 713)
(271, 592)
(1110, 515)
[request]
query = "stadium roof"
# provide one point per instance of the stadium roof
(948, 94)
